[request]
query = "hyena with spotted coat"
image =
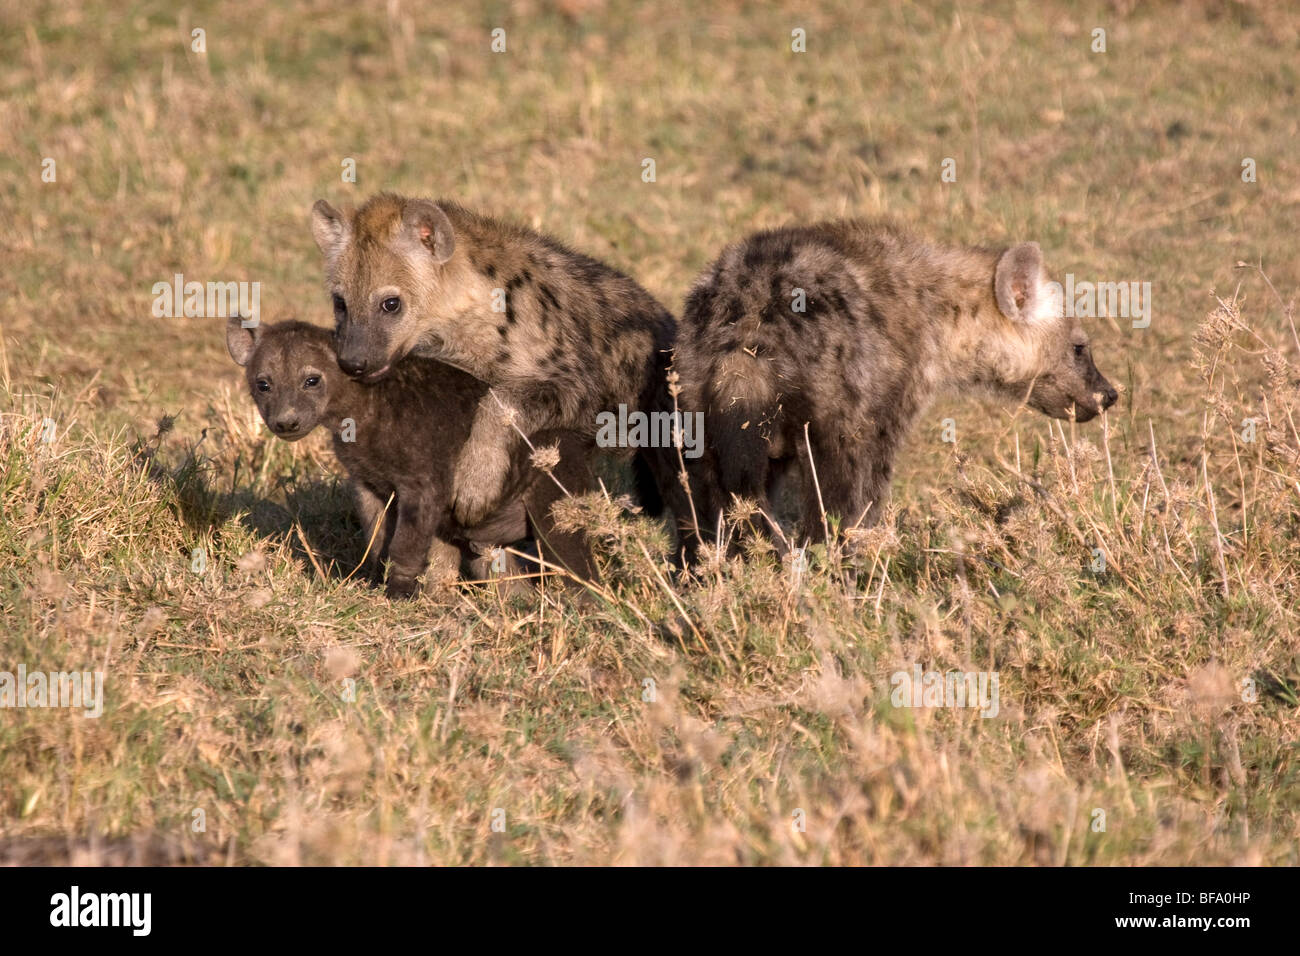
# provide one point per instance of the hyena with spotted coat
(558, 336)
(888, 322)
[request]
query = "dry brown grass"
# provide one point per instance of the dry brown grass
(1120, 691)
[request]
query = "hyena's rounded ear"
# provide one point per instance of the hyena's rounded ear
(1017, 282)
(241, 341)
(328, 228)
(431, 228)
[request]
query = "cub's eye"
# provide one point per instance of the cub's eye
(340, 307)
(312, 381)
(391, 304)
(1079, 350)
(263, 385)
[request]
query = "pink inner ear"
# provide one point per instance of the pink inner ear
(425, 232)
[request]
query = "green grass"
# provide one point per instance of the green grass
(1119, 691)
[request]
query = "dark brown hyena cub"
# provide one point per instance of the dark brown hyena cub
(560, 337)
(853, 327)
(404, 438)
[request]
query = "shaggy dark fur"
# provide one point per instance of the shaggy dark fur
(410, 430)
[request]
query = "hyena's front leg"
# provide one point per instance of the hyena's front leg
(370, 510)
(408, 552)
(485, 458)
(569, 549)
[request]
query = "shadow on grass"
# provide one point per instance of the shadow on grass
(138, 849)
(316, 519)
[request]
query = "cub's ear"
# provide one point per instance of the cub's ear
(241, 341)
(429, 225)
(1018, 283)
(329, 228)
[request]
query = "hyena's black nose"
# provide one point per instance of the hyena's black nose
(1111, 397)
(282, 425)
(352, 366)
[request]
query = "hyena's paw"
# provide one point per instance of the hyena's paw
(372, 571)
(402, 589)
(476, 486)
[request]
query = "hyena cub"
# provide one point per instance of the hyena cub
(853, 327)
(405, 436)
(560, 337)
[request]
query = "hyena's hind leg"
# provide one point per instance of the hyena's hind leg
(504, 571)
(781, 475)
(836, 487)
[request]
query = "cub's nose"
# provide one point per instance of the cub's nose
(1111, 397)
(282, 426)
(352, 367)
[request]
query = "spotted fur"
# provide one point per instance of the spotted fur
(573, 337)
(889, 322)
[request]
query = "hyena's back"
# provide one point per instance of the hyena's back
(793, 303)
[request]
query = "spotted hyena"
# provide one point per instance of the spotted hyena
(853, 328)
(402, 437)
(558, 336)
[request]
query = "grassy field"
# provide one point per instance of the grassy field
(269, 710)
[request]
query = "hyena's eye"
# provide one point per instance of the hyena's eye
(312, 381)
(391, 304)
(263, 385)
(340, 308)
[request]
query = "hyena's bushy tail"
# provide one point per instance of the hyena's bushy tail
(740, 412)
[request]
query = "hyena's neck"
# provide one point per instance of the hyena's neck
(954, 298)
(462, 299)
(546, 324)
(349, 401)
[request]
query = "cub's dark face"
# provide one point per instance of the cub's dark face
(289, 368)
